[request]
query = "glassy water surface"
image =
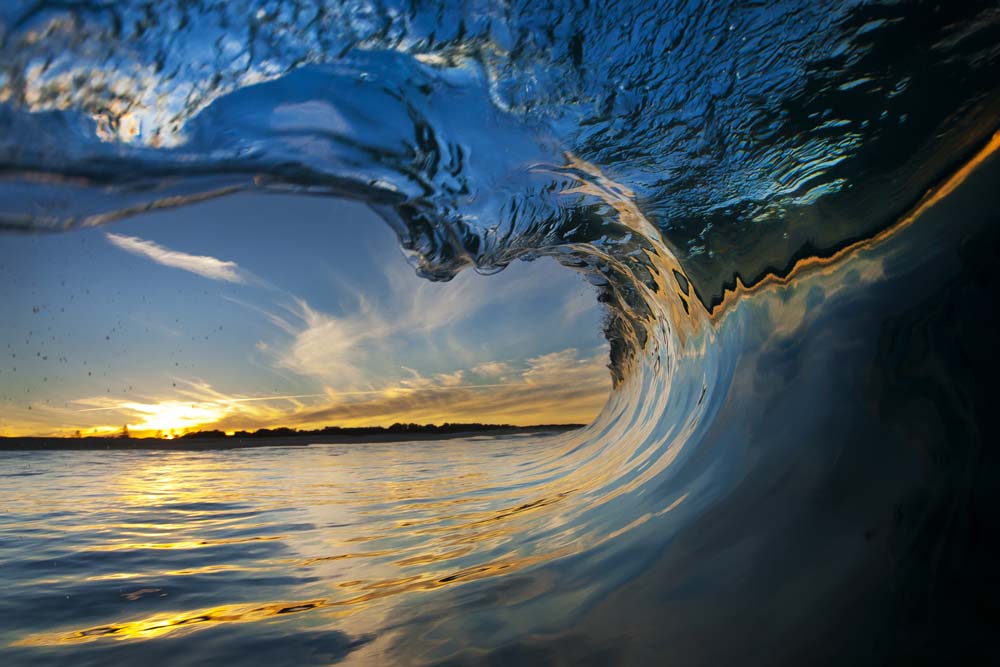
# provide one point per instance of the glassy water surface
(314, 545)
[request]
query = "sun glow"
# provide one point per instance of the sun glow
(172, 417)
(559, 387)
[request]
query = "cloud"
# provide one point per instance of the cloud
(492, 368)
(565, 366)
(451, 379)
(396, 319)
(561, 387)
(356, 350)
(194, 405)
(580, 302)
(208, 267)
(337, 351)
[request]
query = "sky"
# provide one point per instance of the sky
(257, 311)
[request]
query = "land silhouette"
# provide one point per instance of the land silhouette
(280, 436)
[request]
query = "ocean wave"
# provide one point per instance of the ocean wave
(726, 174)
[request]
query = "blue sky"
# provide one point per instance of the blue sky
(266, 310)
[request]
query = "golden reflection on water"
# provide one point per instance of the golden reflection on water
(207, 569)
(429, 515)
(164, 624)
(191, 544)
(160, 625)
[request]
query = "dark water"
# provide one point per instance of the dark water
(790, 211)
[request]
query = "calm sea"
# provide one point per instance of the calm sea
(272, 555)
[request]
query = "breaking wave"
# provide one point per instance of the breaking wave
(738, 180)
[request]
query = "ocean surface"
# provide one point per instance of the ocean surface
(276, 555)
(790, 213)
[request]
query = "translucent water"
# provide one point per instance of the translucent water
(789, 211)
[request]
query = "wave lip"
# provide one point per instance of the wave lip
(749, 136)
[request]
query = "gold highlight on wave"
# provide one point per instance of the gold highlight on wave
(816, 263)
(161, 625)
(419, 534)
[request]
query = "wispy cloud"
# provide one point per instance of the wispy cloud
(340, 352)
(492, 368)
(208, 267)
(563, 387)
(560, 387)
(411, 322)
(400, 349)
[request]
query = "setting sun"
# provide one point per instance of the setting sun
(171, 418)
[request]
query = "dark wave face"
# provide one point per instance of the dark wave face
(789, 210)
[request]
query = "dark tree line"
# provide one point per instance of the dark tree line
(398, 427)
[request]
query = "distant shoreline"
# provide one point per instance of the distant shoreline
(240, 442)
